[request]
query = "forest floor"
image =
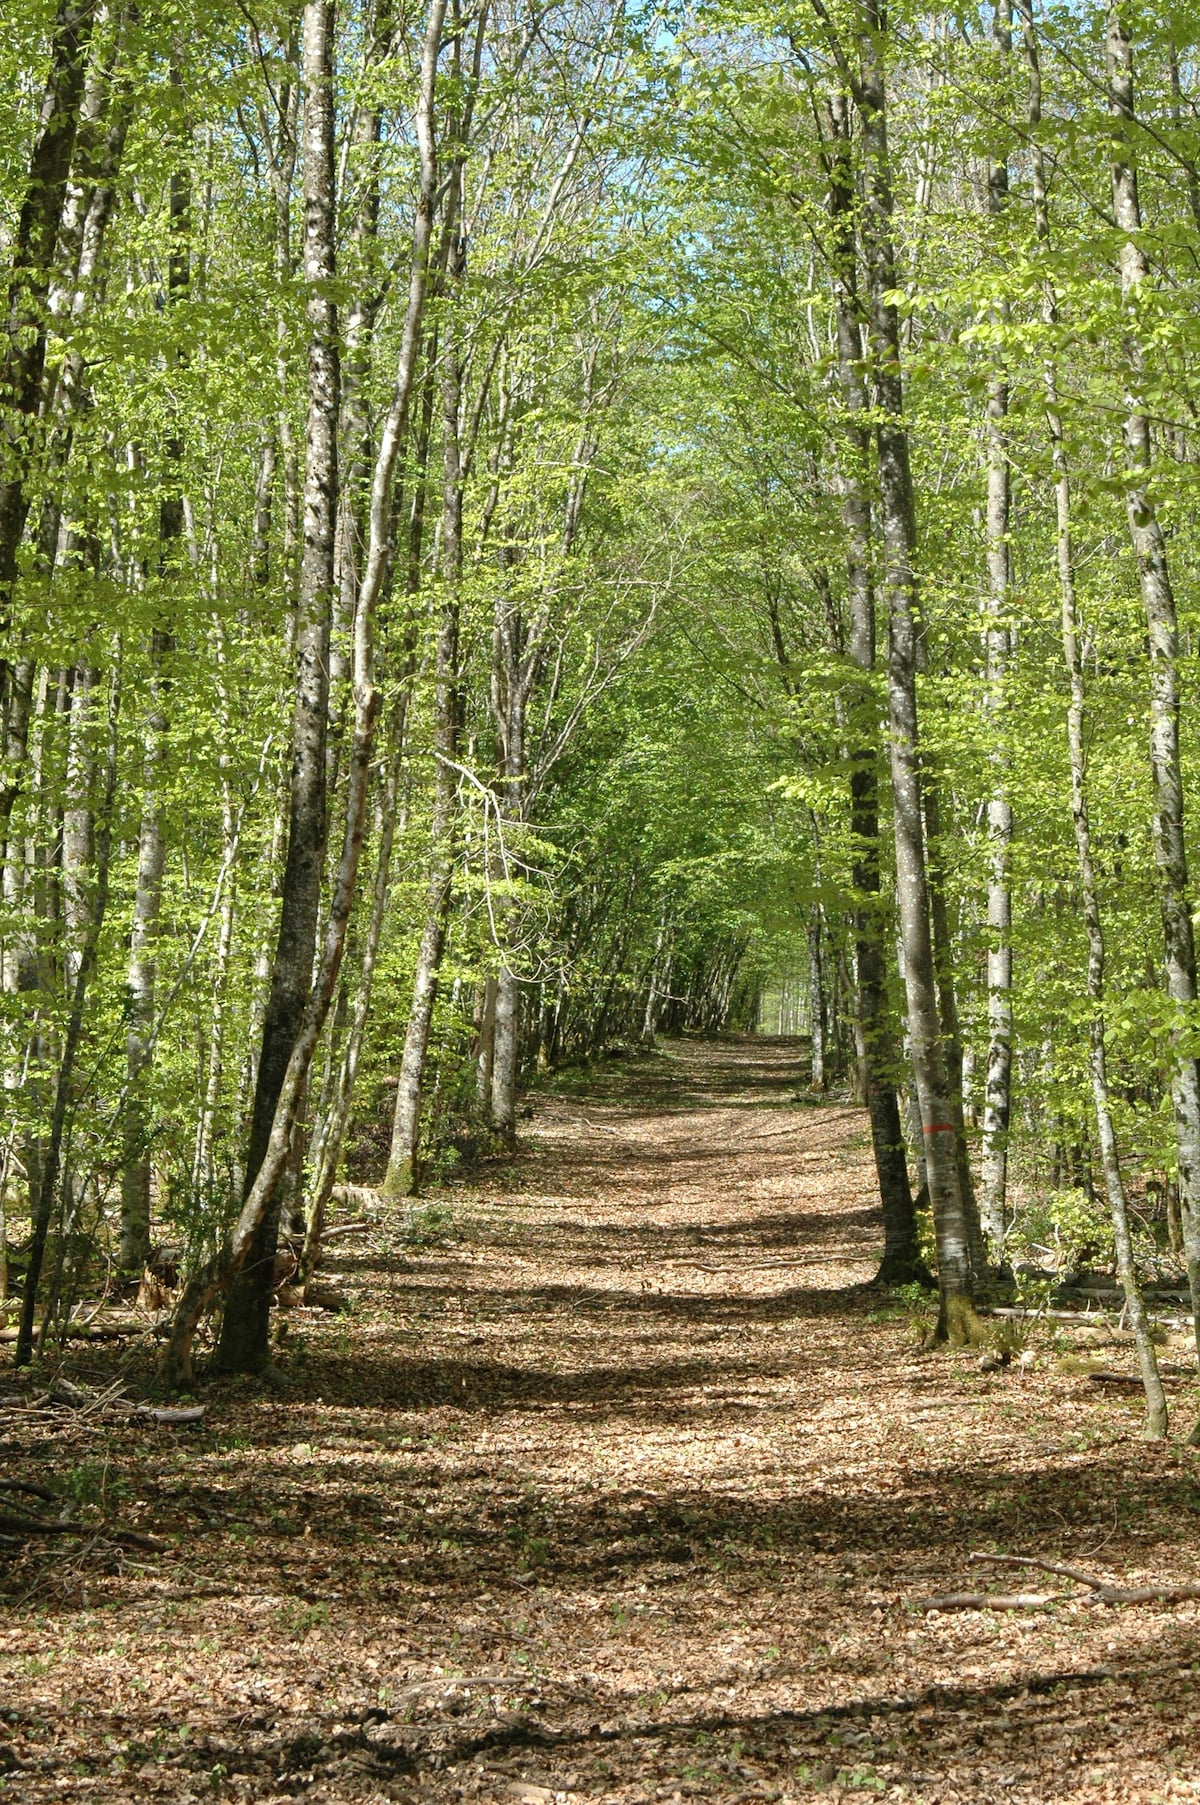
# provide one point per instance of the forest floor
(622, 1487)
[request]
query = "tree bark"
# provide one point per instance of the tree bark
(505, 1056)
(136, 1173)
(23, 357)
(81, 969)
(1158, 603)
(1156, 1405)
(331, 1132)
(402, 1177)
(901, 1257)
(817, 1004)
(244, 1333)
(947, 995)
(998, 1074)
(956, 1316)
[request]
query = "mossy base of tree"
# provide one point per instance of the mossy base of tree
(401, 1180)
(959, 1323)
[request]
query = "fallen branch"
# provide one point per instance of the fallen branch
(993, 1601)
(22, 1485)
(169, 1415)
(1130, 1382)
(1102, 1591)
(14, 1525)
(83, 1405)
(86, 1331)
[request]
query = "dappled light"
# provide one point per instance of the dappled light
(632, 1489)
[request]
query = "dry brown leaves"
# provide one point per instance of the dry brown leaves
(629, 1493)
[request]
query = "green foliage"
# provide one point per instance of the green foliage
(920, 1305)
(1065, 1229)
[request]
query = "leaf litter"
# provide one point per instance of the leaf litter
(627, 1489)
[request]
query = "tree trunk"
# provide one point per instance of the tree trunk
(505, 1056)
(901, 1257)
(956, 1317)
(402, 1175)
(1156, 1405)
(331, 1132)
(244, 1333)
(1158, 602)
(82, 966)
(23, 357)
(658, 981)
(485, 1048)
(997, 1077)
(817, 1006)
(947, 995)
(134, 1248)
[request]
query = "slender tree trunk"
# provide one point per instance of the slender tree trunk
(359, 334)
(901, 1257)
(1158, 602)
(956, 1318)
(327, 1143)
(817, 1006)
(82, 967)
(1156, 1406)
(657, 984)
(244, 1332)
(506, 1056)
(402, 1175)
(485, 1048)
(203, 1170)
(998, 1075)
(947, 995)
(136, 1173)
(23, 354)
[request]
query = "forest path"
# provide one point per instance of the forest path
(624, 1489)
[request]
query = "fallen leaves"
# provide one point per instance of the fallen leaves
(618, 1494)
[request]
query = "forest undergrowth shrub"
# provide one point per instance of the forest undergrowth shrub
(920, 1306)
(427, 1225)
(1063, 1230)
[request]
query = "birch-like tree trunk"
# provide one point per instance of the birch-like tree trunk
(942, 930)
(998, 639)
(1158, 603)
(331, 1129)
(90, 913)
(658, 982)
(956, 1317)
(817, 1005)
(1110, 1161)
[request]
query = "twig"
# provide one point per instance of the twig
(1078, 1574)
(993, 1601)
(1102, 1591)
(35, 1526)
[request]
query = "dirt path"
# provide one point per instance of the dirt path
(623, 1493)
